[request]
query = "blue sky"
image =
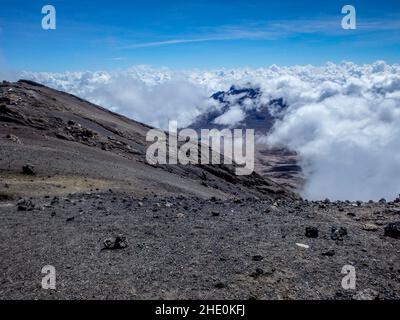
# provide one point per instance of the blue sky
(103, 35)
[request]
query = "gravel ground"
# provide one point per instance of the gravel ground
(190, 248)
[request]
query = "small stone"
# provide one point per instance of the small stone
(329, 253)
(28, 170)
(180, 215)
(25, 205)
(54, 201)
(370, 227)
(220, 285)
(13, 138)
(108, 243)
(114, 244)
(140, 204)
(338, 233)
(393, 230)
(312, 232)
(367, 294)
(258, 258)
(70, 219)
(215, 213)
(120, 242)
(257, 273)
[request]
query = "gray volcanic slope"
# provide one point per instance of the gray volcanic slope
(77, 146)
(114, 227)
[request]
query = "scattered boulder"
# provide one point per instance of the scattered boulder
(393, 230)
(257, 273)
(13, 138)
(220, 285)
(258, 258)
(338, 233)
(367, 294)
(28, 170)
(329, 253)
(370, 227)
(116, 243)
(312, 232)
(25, 205)
(54, 201)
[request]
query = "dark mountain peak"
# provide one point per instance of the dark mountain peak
(242, 93)
(257, 115)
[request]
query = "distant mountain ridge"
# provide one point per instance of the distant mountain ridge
(258, 116)
(277, 163)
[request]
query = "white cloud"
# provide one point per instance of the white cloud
(141, 93)
(231, 117)
(343, 119)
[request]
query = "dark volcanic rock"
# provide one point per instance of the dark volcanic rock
(25, 205)
(113, 244)
(338, 233)
(393, 230)
(257, 273)
(258, 258)
(329, 253)
(312, 232)
(28, 170)
(215, 213)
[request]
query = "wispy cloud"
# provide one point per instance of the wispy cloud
(167, 42)
(273, 30)
(118, 58)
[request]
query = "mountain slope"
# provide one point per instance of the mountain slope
(176, 239)
(76, 146)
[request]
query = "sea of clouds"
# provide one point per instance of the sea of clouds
(342, 119)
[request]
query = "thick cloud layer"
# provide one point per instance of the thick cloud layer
(343, 120)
